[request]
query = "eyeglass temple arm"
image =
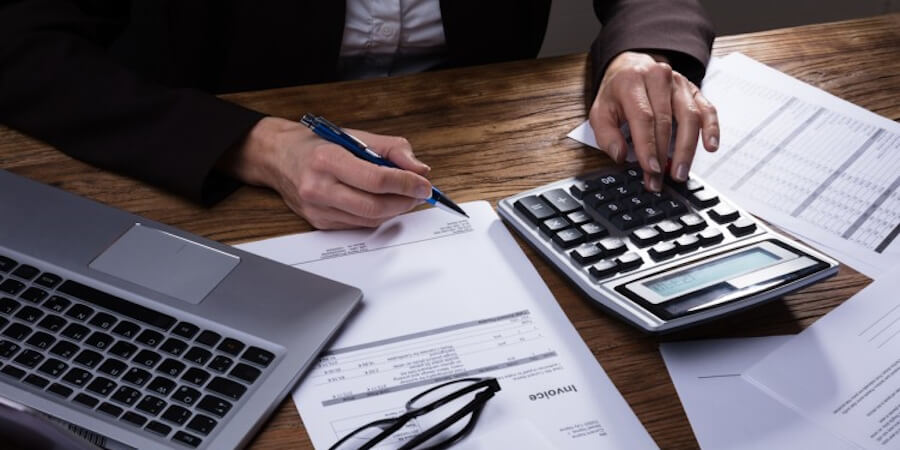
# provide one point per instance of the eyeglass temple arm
(478, 402)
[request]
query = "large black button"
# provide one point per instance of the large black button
(742, 227)
(561, 201)
(535, 209)
(604, 269)
(568, 238)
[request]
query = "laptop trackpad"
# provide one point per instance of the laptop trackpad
(165, 263)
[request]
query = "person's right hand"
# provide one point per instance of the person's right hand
(324, 183)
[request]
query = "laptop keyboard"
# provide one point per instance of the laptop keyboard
(147, 369)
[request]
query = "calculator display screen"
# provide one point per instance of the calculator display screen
(718, 270)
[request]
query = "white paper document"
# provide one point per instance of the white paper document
(843, 372)
(728, 412)
(815, 165)
(446, 299)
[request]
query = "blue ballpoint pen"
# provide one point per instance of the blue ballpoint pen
(332, 133)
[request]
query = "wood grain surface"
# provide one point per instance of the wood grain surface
(492, 131)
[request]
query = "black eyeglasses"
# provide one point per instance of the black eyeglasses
(443, 414)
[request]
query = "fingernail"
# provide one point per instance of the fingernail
(614, 149)
(681, 172)
(423, 192)
(714, 142)
(655, 184)
(654, 166)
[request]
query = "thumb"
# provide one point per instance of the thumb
(397, 150)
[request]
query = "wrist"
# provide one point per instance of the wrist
(253, 161)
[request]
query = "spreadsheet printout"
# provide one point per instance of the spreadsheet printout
(445, 299)
(817, 166)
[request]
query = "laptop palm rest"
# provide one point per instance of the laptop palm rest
(165, 263)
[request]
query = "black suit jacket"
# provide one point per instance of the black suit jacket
(126, 85)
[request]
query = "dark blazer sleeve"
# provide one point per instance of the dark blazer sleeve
(58, 84)
(679, 29)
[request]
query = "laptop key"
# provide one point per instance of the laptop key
(76, 331)
(226, 387)
(208, 338)
(29, 358)
(134, 419)
(6, 264)
(52, 323)
(53, 367)
(172, 367)
(174, 346)
(177, 414)
(197, 355)
(127, 395)
(220, 363)
(186, 395)
(195, 376)
(109, 408)
(11, 286)
(48, 280)
(86, 400)
(202, 424)
(136, 376)
(149, 338)
(162, 386)
(12, 371)
(116, 304)
(41, 340)
(37, 380)
(186, 330)
(123, 349)
(8, 305)
(78, 377)
(88, 358)
(158, 428)
(151, 405)
(187, 439)
(245, 372)
(57, 303)
(258, 356)
(99, 340)
(126, 329)
(17, 331)
(103, 320)
(214, 405)
(60, 390)
(113, 367)
(8, 348)
(26, 272)
(80, 312)
(34, 295)
(102, 386)
(64, 349)
(147, 358)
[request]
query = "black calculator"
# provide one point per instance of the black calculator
(660, 260)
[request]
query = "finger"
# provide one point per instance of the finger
(709, 119)
(396, 149)
(368, 205)
(605, 123)
(328, 218)
(368, 177)
(639, 114)
(658, 79)
(688, 116)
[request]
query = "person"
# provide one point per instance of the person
(129, 86)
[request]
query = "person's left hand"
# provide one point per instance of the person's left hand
(643, 91)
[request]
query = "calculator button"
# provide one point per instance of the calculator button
(692, 222)
(626, 221)
(673, 208)
(645, 236)
(630, 261)
(623, 191)
(579, 217)
(568, 238)
(742, 227)
(535, 209)
(723, 213)
(561, 201)
(663, 250)
(587, 254)
(687, 243)
(604, 268)
(633, 173)
(599, 198)
(554, 224)
(593, 230)
(650, 214)
(609, 210)
(703, 198)
(612, 246)
(670, 229)
(710, 236)
(691, 185)
(654, 198)
(634, 202)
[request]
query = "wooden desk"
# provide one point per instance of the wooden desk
(493, 131)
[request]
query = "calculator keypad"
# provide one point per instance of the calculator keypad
(608, 224)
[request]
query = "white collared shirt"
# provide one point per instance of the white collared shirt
(391, 37)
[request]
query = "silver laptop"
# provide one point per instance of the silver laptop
(138, 335)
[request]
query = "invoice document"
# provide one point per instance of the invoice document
(728, 412)
(446, 298)
(843, 372)
(816, 166)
